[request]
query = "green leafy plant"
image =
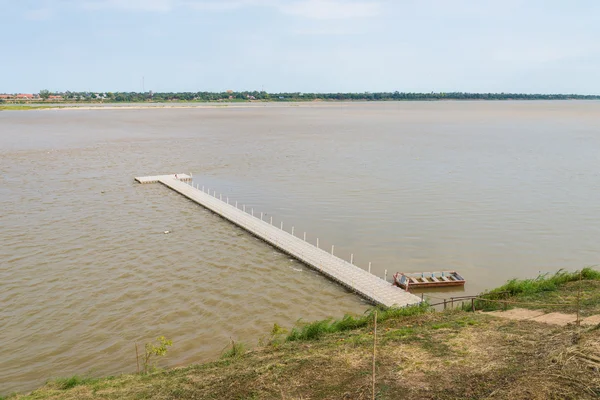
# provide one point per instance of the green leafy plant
(277, 335)
(158, 348)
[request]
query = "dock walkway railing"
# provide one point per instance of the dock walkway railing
(367, 285)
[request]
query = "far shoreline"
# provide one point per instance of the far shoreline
(242, 104)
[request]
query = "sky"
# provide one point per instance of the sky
(526, 46)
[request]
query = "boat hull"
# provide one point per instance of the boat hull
(428, 280)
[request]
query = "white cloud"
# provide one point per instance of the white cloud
(311, 9)
(330, 9)
(141, 5)
(327, 31)
(222, 5)
(39, 14)
(539, 53)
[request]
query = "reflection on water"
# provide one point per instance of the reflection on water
(492, 189)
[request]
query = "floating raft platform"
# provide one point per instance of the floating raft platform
(157, 178)
(370, 287)
(423, 280)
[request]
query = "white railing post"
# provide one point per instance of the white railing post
(271, 220)
(351, 258)
(281, 225)
(236, 204)
(317, 243)
(385, 275)
(305, 236)
(221, 197)
(253, 212)
(203, 188)
(369, 266)
(244, 207)
(331, 249)
(261, 215)
(292, 231)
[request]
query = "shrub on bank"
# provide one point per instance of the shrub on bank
(314, 330)
(528, 287)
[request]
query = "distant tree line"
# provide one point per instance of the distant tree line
(130, 97)
(297, 96)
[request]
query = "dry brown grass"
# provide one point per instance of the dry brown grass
(450, 355)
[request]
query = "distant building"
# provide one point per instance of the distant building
(229, 91)
(25, 96)
(5, 96)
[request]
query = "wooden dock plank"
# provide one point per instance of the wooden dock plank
(369, 286)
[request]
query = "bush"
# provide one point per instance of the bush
(315, 330)
(543, 283)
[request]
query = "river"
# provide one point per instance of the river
(494, 190)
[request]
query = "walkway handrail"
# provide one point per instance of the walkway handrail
(369, 286)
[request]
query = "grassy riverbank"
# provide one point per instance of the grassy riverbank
(420, 354)
(560, 292)
(17, 107)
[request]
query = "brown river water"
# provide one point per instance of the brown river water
(494, 190)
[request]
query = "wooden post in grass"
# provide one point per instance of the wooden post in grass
(444, 304)
(374, 349)
(137, 358)
(579, 301)
(473, 304)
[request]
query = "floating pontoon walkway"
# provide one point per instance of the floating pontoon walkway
(367, 285)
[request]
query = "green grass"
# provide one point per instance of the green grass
(17, 107)
(71, 382)
(315, 330)
(237, 350)
(557, 292)
(544, 283)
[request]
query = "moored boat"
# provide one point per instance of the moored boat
(423, 280)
